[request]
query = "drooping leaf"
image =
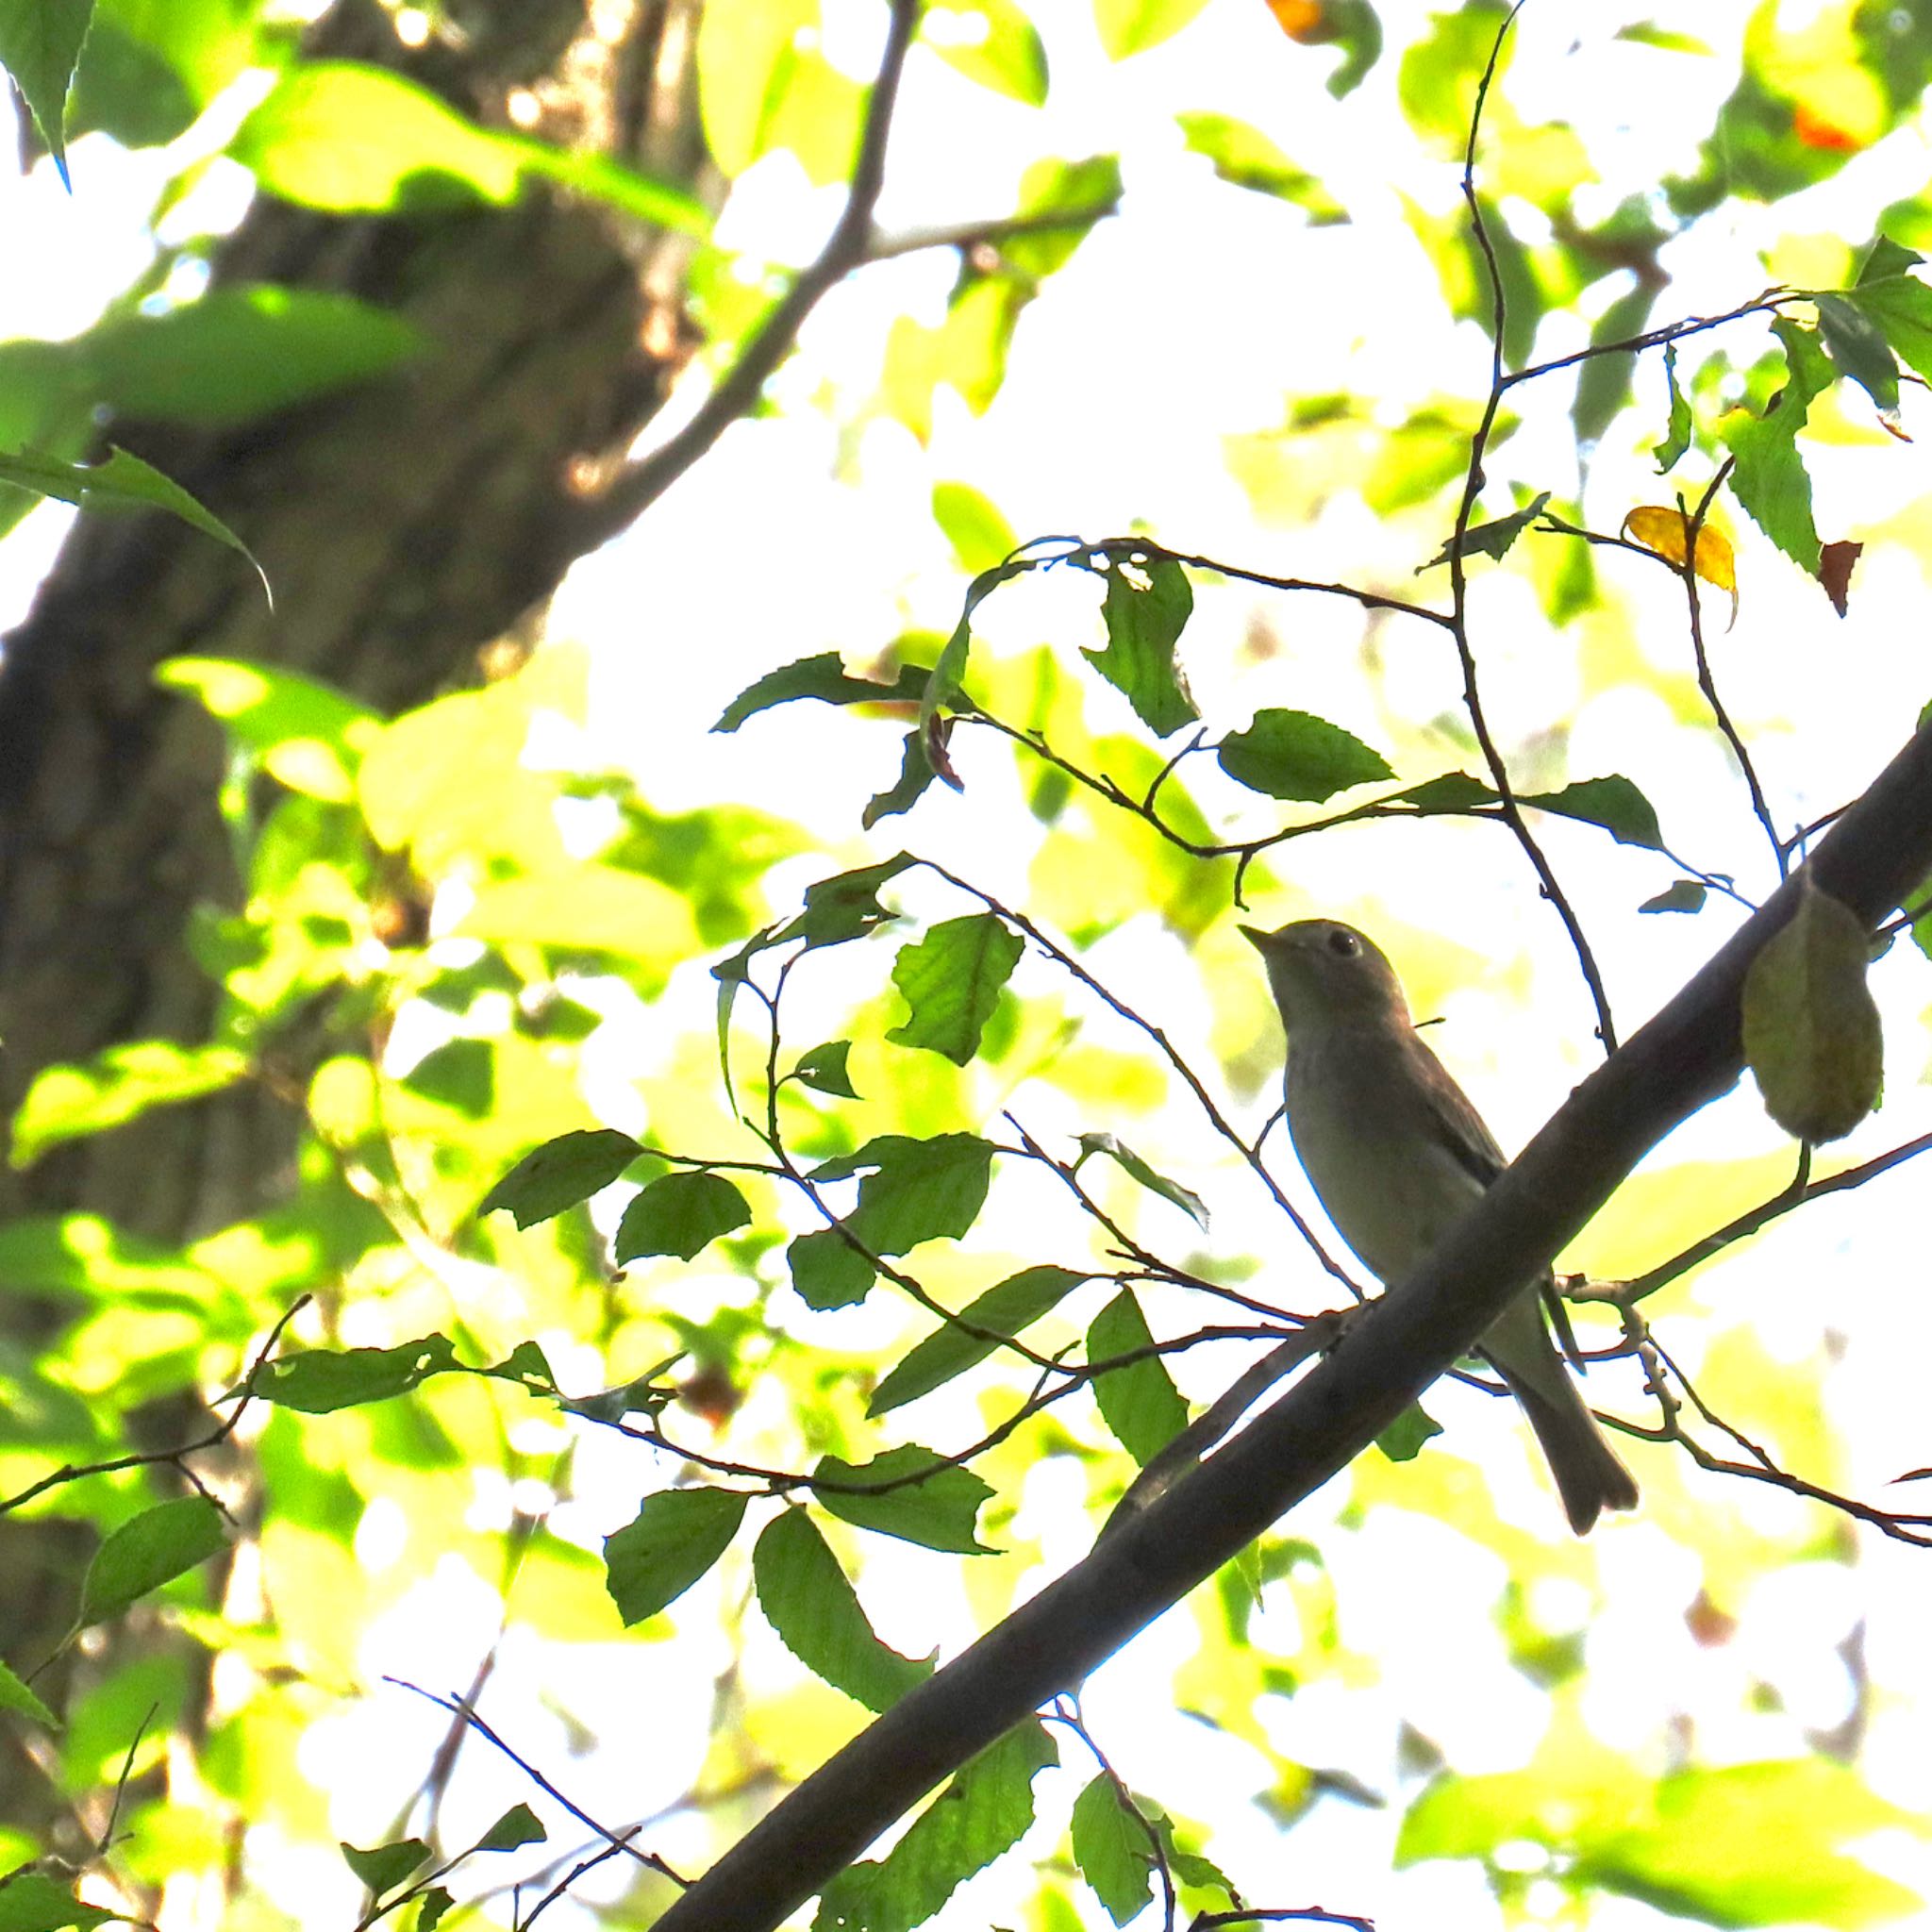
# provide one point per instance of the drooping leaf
(1678, 431)
(1138, 1401)
(40, 47)
(147, 1551)
(1113, 1849)
(809, 1603)
(983, 1812)
(679, 1214)
(672, 1541)
(1769, 478)
(1189, 1202)
(827, 1271)
(1295, 756)
(559, 1173)
(1242, 155)
(951, 981)
(823, 677)
(908, 1492)
(1812, 1030)
(119, 1084)
(1147, 606)
(15, 1697)
(1004, 1310)
(119, 482)
(916, 773)
(1667, 534)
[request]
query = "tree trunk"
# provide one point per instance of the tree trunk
(405, 525)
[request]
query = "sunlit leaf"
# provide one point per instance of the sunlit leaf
(1131, 26)
(40, 47)
(118, 1085)
(1189, 1202)
(916, 1190)
(990, 41)
(672, 1541)
(1113, 1849)
(1147, 606)
(1678, 431)
(1139, 1401)
(1769, 478)
(320, 1380)
(823, 1068)
(306, 733)
(1242, 155)
(383, 1867)
(808, 1601)
(981, 537)
(951, 981)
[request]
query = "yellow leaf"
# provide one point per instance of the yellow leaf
(1665, 533)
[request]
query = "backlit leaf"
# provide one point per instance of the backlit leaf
(674, 1538)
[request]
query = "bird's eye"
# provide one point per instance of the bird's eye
(1344, 944)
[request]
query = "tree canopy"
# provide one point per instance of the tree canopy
(647, 1218)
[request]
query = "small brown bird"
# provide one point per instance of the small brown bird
(1397, 1153)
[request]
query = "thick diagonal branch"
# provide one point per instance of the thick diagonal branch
(1687, 1055)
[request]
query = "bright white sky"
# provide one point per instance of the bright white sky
(1192, 317)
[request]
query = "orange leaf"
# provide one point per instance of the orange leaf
(1665, 533)
(1300, 19)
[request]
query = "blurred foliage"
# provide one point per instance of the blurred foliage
(697, 1158)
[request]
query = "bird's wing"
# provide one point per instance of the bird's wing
(1453, 1120)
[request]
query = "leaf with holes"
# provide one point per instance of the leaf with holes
(1147, 606)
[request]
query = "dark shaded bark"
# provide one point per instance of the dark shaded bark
(405, 525)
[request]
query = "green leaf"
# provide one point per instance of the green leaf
(1614, 803)
(40, 47)
(1113, 1850)
(1131, 26)
(435, 1907)
(356, 140)
(14, 1695)
(808, 1601)
(1677, 435)
(240, 353)
(1403, 1440)
(1351, 24)
(117, 1085)
(915, 773)
(981, 538)
(1769, 478)
(384, 1867)
(1004, 1310)
(122, 482)
(1494, 539)
(1185, 1199)
(951, 981)
(1812, 1031)
(990, 41)
(1900, 306)
(674, 1538)
(845, 907)
(827, 1271)
(1293, 755)
(1084, 190)
(1139, 1402)
(983, 1812)
(823, 677)
(943, 684)
(928, 1501)
(517, 1827)
(919, 1190)
(319, 1380)
(1242, 154)
(1147, 606)
(1887, 260)
(31, 1901)
(306, 734)
(678, 1215)
(824, 1070)
(147, 1551)
(1856, 346)
(559, 1173)
(1680, 895)
(1603, 384)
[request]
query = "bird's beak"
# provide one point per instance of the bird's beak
(1255, 937)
